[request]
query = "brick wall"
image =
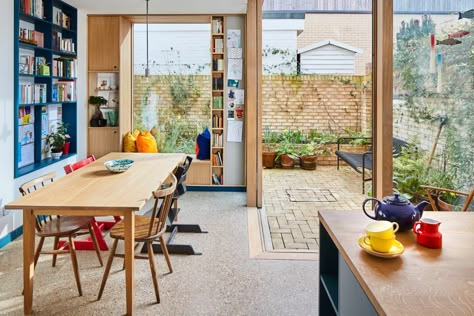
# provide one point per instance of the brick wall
(321, 102)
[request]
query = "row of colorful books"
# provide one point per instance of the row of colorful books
(218, 180)
(63, 44)
(217, 159)
(60, 18)
(217, 102)
(31, 37)
(217, 140)
(64, 91)
(64, 67)
(31, 65)
(33, 93)
(32, 7)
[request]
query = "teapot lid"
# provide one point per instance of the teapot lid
(396, 199)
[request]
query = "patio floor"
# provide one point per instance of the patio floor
(293, 197)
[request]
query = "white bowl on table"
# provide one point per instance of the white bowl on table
(118, 165)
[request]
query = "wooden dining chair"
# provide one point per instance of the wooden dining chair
(59, 227)
(430, 191)
(97, 226)
(147, 229)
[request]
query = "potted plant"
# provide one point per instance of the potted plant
(268, 154)
(56, 140)
(308, 156)
(97, 118)
(287, 154)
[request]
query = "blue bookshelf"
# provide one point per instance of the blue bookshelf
(45, 73)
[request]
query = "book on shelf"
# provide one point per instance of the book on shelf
(217, 179)
(64, 91)
(217, 102)
(40, 93)
(31, 37)
(60, 18)
(218, 45)
(26, 65)
(218, 64)
(32, 7)
(217, 83)
(26, 115)
(217, 140)
(217, 121)
(64, 67)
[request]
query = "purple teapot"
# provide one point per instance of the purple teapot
(396, 208)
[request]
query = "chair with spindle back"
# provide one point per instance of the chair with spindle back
(59, 227)
(147, 230)
(96, 226)
(465, 198)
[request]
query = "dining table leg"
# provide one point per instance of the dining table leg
(129, 227)
(28, 259)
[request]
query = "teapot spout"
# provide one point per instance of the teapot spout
(421, 206)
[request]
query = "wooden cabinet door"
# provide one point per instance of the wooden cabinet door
(103, 140)
(103, 43)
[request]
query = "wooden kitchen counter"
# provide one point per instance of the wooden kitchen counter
(422, 281)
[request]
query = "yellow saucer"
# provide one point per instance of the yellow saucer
(396, 250)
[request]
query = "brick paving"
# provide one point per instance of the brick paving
(292, 198)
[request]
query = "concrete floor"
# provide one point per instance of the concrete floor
(223, 281)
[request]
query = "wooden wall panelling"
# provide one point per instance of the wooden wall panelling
(103, 43)
(382, 19)
(125, 118)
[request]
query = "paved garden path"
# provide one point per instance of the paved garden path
(293, 197)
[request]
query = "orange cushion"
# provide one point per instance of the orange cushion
(146, 143)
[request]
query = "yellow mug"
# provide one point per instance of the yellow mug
(379, 244)
(382, 229)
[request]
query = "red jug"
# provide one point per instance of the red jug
(427, 233)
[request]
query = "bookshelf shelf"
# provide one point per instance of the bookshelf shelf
(38, 87)
(217, 100)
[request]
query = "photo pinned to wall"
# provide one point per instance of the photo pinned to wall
(231, 83)
(234, 67)
(234, 52)
(230, 115)
(233, 38)
(238, 95)
(239, 112)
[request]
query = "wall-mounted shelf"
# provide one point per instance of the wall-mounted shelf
(45, 32)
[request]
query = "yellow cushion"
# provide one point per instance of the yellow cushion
(146, 143)
(129, 141)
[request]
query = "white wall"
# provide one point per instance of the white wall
(280, 37)
(10, 220)
(172, 47)
(328, 59)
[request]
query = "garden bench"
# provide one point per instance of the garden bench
(362, 162)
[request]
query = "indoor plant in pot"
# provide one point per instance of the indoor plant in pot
(287, 154)
(97, 118)
(56, 140)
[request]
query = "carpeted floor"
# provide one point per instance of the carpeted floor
(223, 281)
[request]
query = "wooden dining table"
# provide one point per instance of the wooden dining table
(95, 191)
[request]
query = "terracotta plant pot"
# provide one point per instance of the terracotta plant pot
(444, 206)
(268, 159)
(287, 162)
(308, 162)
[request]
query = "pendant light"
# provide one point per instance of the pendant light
(147, 69)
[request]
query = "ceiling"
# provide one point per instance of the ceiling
(161, 6)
